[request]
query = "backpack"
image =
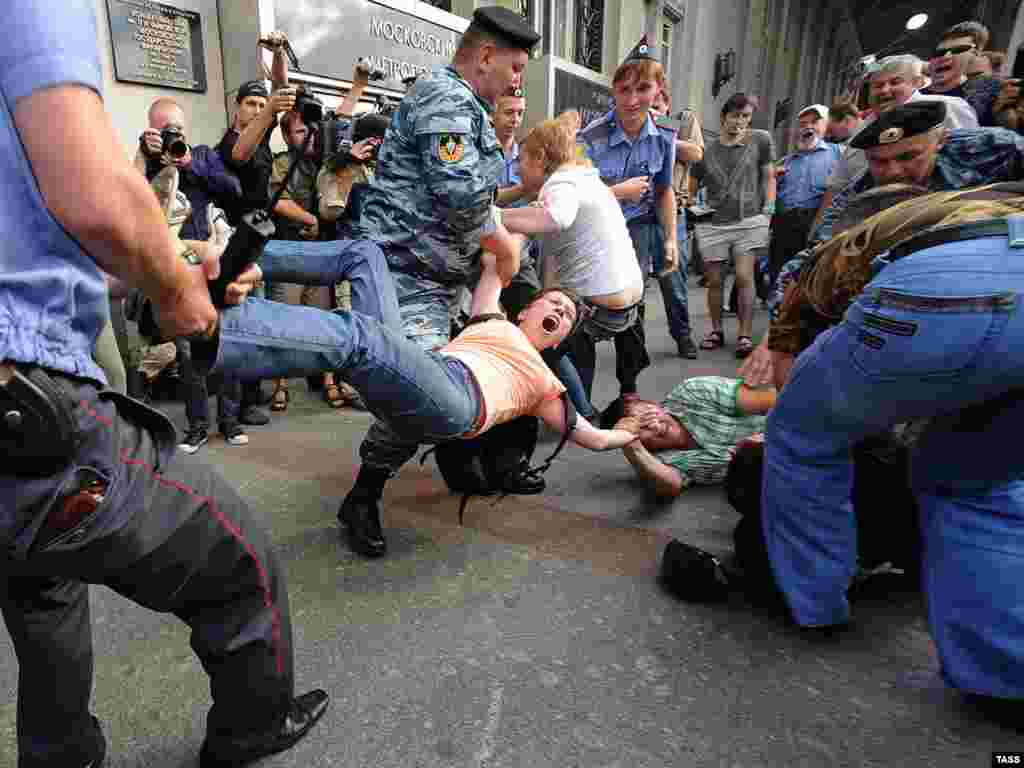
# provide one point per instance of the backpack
(479, 466)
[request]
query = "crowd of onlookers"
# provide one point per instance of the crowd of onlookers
(458, 281)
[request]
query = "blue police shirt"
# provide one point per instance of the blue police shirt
(53, 297)
(652, 153)
(806, 175)
(510, 176)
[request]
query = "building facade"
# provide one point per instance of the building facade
(786, 52)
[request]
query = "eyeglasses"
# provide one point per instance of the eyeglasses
(955, 50)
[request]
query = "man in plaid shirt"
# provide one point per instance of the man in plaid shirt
(694, 437)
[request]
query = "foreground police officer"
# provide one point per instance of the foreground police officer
(92, 488)
(437, 174)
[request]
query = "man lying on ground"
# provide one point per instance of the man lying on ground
(690, 438)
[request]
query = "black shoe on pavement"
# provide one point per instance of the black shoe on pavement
(254, 416)
(360, 517)
(195, 438)
(687, 348)
(694, 575)
(522, 484)
(305, 711)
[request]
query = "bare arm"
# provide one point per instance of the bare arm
(292, 210)
(664, 480)
(667, 216)
(688, 151)
(101, 200)
(360, 79)
(630, 189)
(770, 183)
(487, 293)
(529, 220)
(509, 195)
(585, 433)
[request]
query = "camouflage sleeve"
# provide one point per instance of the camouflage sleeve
(278, 172)
(452, 171)
(789, 274)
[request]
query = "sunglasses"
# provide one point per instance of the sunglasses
(955, 50)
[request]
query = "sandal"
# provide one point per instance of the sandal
(713, 340)
(279, 400)
(744, 346)
(333, 396)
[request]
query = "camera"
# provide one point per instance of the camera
(309, 106)
(174, 143)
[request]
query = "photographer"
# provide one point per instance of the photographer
(245, 149)
(203, 180)
(295, 218)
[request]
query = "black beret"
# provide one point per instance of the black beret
(911, 119)
(642, 51)
(252, 88)
(507, 25)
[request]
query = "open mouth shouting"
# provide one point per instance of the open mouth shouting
(551, 324)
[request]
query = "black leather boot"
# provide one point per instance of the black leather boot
(237, 751)
(360, 517)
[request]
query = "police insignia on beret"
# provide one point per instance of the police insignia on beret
(889, 135)
(450, 147)
(914, 118)
(641, 51)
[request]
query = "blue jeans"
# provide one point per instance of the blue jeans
(938, 335)
(360, 262)
(421, 395)
(649, 242)
(425, 308)
(197, 396)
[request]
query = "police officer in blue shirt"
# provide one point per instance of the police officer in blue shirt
(92, 488)
(636, 158)
(437, 175)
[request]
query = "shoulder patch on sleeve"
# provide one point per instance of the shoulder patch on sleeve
(451, 147)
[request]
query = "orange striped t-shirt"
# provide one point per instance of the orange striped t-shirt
(514, 380)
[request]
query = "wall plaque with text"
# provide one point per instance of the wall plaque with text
(592, 100)
(157, 44)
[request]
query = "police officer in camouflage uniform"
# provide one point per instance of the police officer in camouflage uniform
(437, 174)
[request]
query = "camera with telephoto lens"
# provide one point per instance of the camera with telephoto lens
(174, 143)
(309, 107)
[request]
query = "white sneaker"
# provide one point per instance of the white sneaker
(234, 434)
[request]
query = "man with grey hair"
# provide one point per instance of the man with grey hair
(895, 80)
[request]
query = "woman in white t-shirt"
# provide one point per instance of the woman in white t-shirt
(585, 245)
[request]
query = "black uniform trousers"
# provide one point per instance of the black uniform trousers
(790, 231)
(168, 533)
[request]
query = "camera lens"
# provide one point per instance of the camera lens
(178, 149)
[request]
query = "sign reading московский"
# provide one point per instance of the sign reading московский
(329, 36)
